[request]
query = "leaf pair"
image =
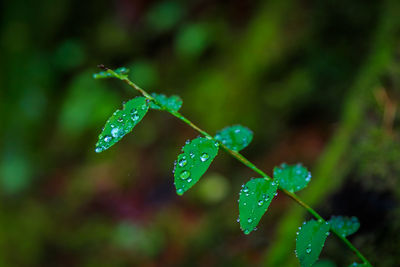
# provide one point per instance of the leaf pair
(312, 235)
(123, 121)
(199, 153)
(257, 194)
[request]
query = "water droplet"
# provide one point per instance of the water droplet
(184, 175)
(249, 220)
(135, 117)
(120, 120)
(245, 190)
(273, 183)
(107, 138)
(260, 203)
(115, 132)
(180, 191)
(247, 231)
(191, 154)
(189, 180)
(182, 162)
(98, 149)
(238, 220)
(204, 157)
(308, 250)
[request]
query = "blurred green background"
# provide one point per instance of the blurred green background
(317, 81)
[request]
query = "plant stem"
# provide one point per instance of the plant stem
(243, 160)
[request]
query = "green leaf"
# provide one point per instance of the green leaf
(122, 122)
(254, 200)
(193, 162)
(172, 103)
(292, 177)
(344, 226)
(235, 137)
(104, 74)
(310, 241)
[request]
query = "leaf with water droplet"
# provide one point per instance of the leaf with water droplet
(104, 74)
(235, 137)
(344, 226)
(122, 122)
(172, 103)
(292, 177)
(254, 200)
(193, 162)
(310, 241)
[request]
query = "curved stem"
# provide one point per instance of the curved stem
(243, 160)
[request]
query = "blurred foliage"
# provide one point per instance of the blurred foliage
(317, 81)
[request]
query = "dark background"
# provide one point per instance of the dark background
(317, 81)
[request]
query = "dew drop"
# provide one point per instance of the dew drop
(182, 162)
(135, 117)
(120, 120)
(189, 180)
(115, 132)
(184, 175)
(245, 190)
(180, 191)
(260, 203)
(191, 154)
(107, 138)
(249, 220)
(308, 250)
(98, 149)
(204, 157)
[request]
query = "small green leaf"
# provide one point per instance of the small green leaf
(292, 177)
(193, 162)
(310, 241)
(122, 122)
(344, 226)
(235, 137)
(104, 74)
(172, 103)
(254, 200)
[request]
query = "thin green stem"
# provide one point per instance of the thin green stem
(243, 160)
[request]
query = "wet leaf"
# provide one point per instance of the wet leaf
(344, 225)
(254, 200)
(193, 162)
(235, 137)
(172, 103)
(310, 241)
(292, 177)
(122, 122)
(105, 74)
